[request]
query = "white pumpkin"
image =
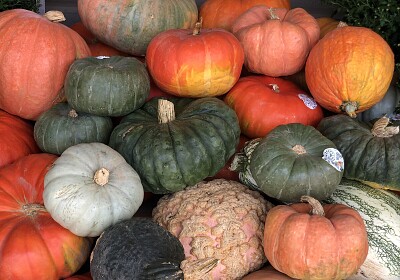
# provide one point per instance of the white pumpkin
(91, 187)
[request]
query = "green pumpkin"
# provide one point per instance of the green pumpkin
(294, 160)
(191, 144)
(107, 86)
(371, 151)
(61, 127)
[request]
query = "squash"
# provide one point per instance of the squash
(276, 42)
(35, 54)
(107, 86)
(61, 127)
(311, 241)
(262, 103)
(32, 244)
(136, 249)
(91, 187)
(205, 62)
(85, 276)
(267, 273)
(371, 151)
(16, 138)
(177, 142)
(134, 25)
(327, 24)
(349, 70)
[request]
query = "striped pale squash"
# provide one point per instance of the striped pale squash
(380, 210)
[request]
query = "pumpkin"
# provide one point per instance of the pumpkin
(61, 127)
(295, 160)
(33, 245)
(327, 24)
(16, 138)
(35, 54)
(136, 249)
(276, 42)
(134, 25)
(371, 151)
(311, 241)
(262, 103)
(107, 86)
(349, 70)
(177, 142)
(223, 13)
(91, 187)
(205, 62)
(85, 276)
(267, 273)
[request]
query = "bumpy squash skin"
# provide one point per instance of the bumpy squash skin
(283, 174)
(368, 158)
(171, 156)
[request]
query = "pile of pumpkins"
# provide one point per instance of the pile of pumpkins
(267, 138)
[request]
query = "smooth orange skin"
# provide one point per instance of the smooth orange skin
(223, 13)
(34, 246)
(349, 64)
(260, 109)
(313, 247)
(35, 55)
(187, 65)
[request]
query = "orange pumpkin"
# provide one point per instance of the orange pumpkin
(35, 54)
(326, 24)
(276, 42)
(349, 70)
(223, 13)
(311, 241)
(267, 273)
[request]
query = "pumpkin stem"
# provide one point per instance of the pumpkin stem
(55, 16)
(101, 176)
(32, 209)
(166, 111)
(299, 149)
(274, 87)
(317, 208)
(381, 129)
(350, 107)
(341, 24)
(272, 13)
(199, 268)
(72, 113)
(197, 27)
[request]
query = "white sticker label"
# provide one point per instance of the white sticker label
(102, 57)
(308, 101)
(334, 158)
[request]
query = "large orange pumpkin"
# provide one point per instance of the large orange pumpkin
(32, 245)
(223, 13)
(276, 42)
(35, 54)
(311, 241)
(349, 70)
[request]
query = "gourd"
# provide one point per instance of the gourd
(327, 24)
(91, 187)
(177, 142)
(107, 86)
(35, 54)
(61, 127)
(267, 272)
(32, 244)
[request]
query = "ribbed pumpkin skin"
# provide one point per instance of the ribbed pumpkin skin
(136, 22)
(187, 65)
(171, 156)
(350, 64)
(61, 127)
(16, 138)
(33, 245)
(34, 58)
(113, 86)
(367, 157)
(283, 174)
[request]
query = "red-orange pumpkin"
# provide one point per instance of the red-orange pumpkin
(16, 138)
(223, 13)
(349, 70)
(35, 54)
(311, 241)
(267, 273)
(32, 245)
(262, 103)
(276, 42)
(198, 63)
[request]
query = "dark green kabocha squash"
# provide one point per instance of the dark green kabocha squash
(107, 86)
(179, 145)
(371, 150)
(61, 127)
(137, 249)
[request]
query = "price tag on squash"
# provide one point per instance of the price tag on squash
(308, 101)
(334, 158)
